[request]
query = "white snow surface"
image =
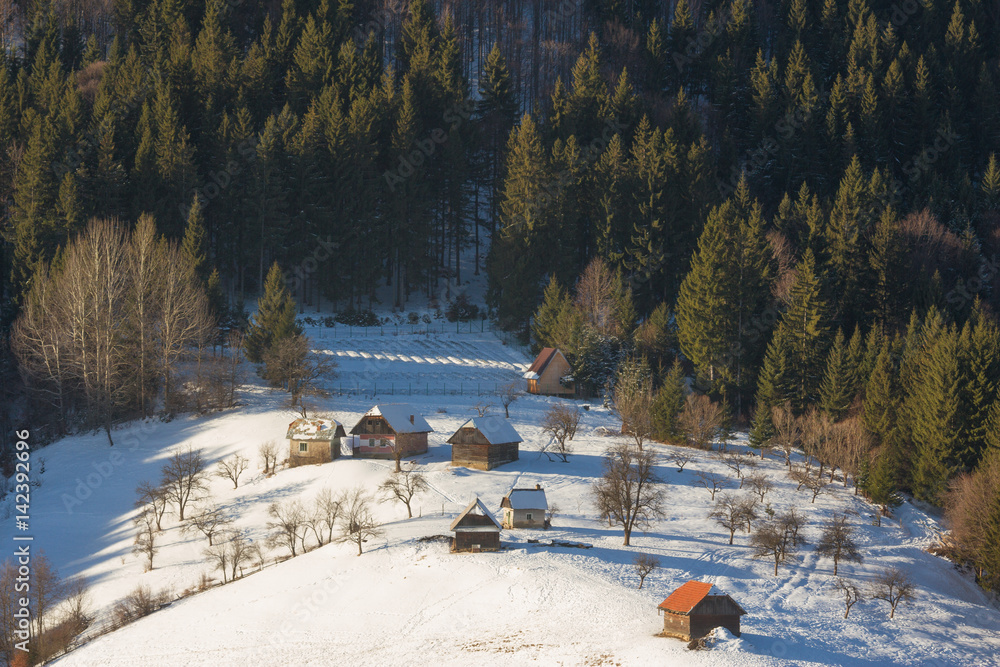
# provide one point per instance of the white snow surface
(306, 429)
(494, 428)
(402, 418)
(408, 601)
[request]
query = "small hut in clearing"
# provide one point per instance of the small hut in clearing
(550, 374)
(484, 443)
(524, 508)
(690, 612)
(475, 529)
(387, 426)
(314, 441)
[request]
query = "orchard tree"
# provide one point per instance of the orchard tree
(628, 493)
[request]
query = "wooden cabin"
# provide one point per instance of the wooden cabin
(387, 426)
(525, 508)
(476, 529)
(550, 374)
(314, 441)
(484, 443)
(691, 613)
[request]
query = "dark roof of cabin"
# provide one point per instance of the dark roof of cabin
(542, 360)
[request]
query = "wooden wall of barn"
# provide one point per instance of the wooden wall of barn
(483, 456)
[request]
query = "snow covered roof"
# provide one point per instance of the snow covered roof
(480, 509)
(496, 430)
(315, 429)
(531, 375)
(401, 417)
(526, 499)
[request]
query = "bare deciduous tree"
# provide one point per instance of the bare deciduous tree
(232, 468)
(509, 393)
(402, 486)
(804, 477)
(852, 594)
(788, 431)
(712, 481)
(145, 536)
(210, 523)
(481, 408)
(287, 524)
(760, 484)
(748, 511)
(700, 420)
(837, 542)
(561, 422)
(894, 586)
(737, 462)
(154, 497)
(633, 400)
(356, 518)
(628, 493)
(267, 452)
(727, 513)
(680, 458)
(774, 540)
(326, 510)
(644, 564)
(184, 478)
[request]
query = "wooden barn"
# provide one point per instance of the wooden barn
(690, 612)
(550, 374)
(386, 426)
(475, 529)
(484, 443)
(524, 508)
(314, 441)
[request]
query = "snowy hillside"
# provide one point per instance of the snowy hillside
(407, 601)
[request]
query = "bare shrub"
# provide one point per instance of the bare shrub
(509, 393)
(644, 564)
(680, 458)
(700, 421)
(788, 431)
(774, 540)
(738, 462)
(140, 602)
(759, 484)
(145, 536)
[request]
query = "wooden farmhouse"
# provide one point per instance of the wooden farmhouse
(475, 529)
(484, 443)
(691, 613)
(387, 426)
(314, 441)
(524, 508)
(550, 374)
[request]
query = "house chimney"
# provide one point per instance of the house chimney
(538, 487)
(411, 419)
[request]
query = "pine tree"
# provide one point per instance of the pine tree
(193, 244)
(543, 327)
(667, 404)
(991, 184)
(275, 317)
(837, 389)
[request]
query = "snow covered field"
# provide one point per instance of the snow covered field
(407, 601)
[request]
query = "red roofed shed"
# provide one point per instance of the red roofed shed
(690, 612)
(550, 374)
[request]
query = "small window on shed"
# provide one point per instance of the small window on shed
(303, 447)
(527, 516)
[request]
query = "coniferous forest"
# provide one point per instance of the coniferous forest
(796, 204)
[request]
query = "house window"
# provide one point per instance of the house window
(383, 443)
(303, 447)
(527, 517)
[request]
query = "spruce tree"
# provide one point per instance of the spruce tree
(544, 325)
(837, 388)
(275, 317)
(193, 244)
(667, 404)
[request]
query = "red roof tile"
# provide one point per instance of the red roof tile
(685, 598)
